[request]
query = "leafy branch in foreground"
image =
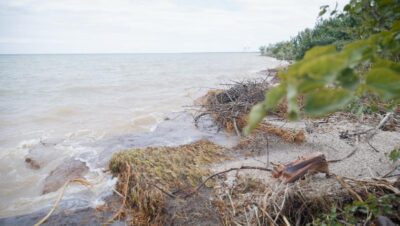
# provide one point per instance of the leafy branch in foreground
(329, 79)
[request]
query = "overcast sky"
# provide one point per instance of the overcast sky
(128, 26)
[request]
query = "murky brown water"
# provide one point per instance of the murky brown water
(55, 107)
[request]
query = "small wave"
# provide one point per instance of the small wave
(144, 122)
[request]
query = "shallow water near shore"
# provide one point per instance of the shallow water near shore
(85, 107)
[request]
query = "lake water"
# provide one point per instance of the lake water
(75, 99)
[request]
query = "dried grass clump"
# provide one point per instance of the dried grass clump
(229, 108)
(155, 171)
(258, 140)
(291, 136)
(251, 202)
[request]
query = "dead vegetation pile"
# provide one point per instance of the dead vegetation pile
(229, 109)
(148, 177)
(175, 186)
(259, 138)
(335, 201)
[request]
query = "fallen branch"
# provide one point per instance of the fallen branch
(348, 188)
(348, 156)
(163, 191)
(390, 172)
(373, 130)
(376, 150)
(78, 180)
(126, 189)
(296, 169)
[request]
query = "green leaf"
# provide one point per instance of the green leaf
(322, 12)
(293, 108)
(256, 115)
(324, 68)
(396, 26)
(347, 7)
(274, 96)
(326, 100)
(319, 51)
(385, 81)
(348, 79)
(356, 51)
(379, 63)
(308, 84)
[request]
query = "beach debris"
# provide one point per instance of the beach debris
(149, 178)
(229, 108)
(253, 202)
(298, 168)
(288, 135)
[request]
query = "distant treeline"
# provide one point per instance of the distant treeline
(338, 29)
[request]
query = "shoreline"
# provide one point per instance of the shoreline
(58, 131)
(322, 136)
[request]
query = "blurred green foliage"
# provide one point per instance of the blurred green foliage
(359, 212)
(330, 77)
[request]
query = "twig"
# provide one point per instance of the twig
(286, 221)
(283, 205)
(267, 150)
(126, 188)
(196, 119)
(376, 150)
(347, 156)
(268, 216)
(117, 192)
(163, 191)
(236, 128)
(348, 188)
(390, 172)
(79, 180)
(256, 212)
(361, 132)
(384, 120)
(379, 126)
(394, 175)
(230, 200)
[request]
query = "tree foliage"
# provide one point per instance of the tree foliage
(335, 30)
(358, 20)
(329, 78)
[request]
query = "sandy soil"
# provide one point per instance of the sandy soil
(323, 136)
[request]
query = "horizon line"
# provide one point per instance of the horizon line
(110, 53)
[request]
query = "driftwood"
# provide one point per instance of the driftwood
(296, 169)
(229, 107)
